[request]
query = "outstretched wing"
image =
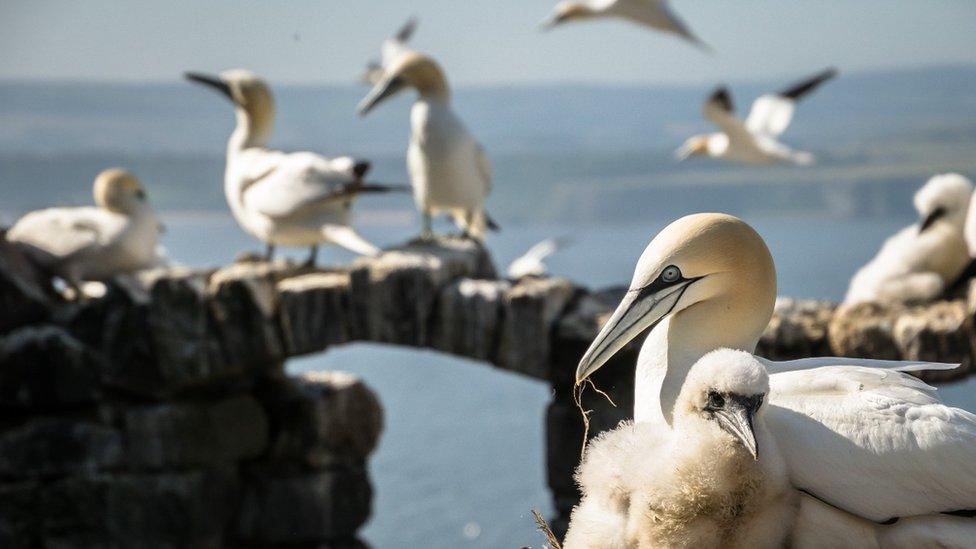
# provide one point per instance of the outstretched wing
(772, 113)
(719, 109)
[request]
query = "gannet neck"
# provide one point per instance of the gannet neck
(252, 130)
(431, 83)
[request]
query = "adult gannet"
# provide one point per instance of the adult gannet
(449, 169)
(118, 236)
(755, 140)
(287, 199)
(392, 48)
(532, 262)
(717, 479)
(919, 261)
(654, 14)
(866, 439)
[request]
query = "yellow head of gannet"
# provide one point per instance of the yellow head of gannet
(252, 100)
(119, 191)
(711, 273)
(409, 70)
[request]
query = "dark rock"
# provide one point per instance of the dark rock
(45, 367)
(23, 295)
(798, 329)
(191, 434)
(54, 447)
(244, 303)
(20, 515)
(314, 311)
(940, 332)
(531, 309)
(469, 318)
(864, 330)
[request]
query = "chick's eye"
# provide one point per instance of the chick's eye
(670, 274)
(715, 400)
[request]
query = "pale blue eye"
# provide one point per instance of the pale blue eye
(670, 274)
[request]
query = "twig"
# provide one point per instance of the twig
(543, 526)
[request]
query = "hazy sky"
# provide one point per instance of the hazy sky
(479, 42)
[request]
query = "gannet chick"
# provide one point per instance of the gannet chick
(532, 262)
(654, 14)
(755, 140)
(918, 262)
(449, 170)
(716, 480)
(287, 199)
(392, 48)
(119, 235)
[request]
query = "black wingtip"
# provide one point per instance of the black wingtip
(491, 223)
(798, 90)
(407, 30)
(360, 168)
(722, 98)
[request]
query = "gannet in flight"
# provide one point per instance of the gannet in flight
(287, 199)
(532, 262)
(755, 140)
(392, 48)
(449, 169)
(117, 236)
(918, 262)
(859, 435)
(654, 14)
(717, 479)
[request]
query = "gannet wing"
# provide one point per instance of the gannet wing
(531, 262)
(772, 113)
(397, 44)
(876, 443)
(779, 366)
(62, 232)
(720, 111)
(298, 181)
(484, 166)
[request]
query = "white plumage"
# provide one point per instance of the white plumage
(532, 262)
(653, 14)
(756, 139)
(119, 235)
(919, 261)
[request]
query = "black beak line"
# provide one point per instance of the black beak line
(210, 81)
(931, 218)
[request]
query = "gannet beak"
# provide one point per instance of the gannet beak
(638, 311)
(683, 153)
(211, 81)
(736, 418)
(549, 22)
(931, 218)
(381, 92)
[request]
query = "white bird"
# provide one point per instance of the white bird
(654, 14)
(532, 262)
(717, 480)
(449, 170)
(117, 236)
(859, 435)
(393, 47)
(755, 140)
(917, 263)
(288, 199)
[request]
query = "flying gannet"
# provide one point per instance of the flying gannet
(654, 14)
(449, 170)
(716, 480)
(287, 199)
(117, 236)
(532, 262)
(755, 140)
(858, 435)
(392, 48)
(918, 262)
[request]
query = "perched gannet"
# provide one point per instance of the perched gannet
(655, 14)
(287, 199)
(532, 262)
(716, 480)
(449, 170)
(866, 439)
(919, 261)
(755, 140)
(392, 48)
(118, 236)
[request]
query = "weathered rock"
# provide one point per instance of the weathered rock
(531, 309)
(313, 507)
(23, 299)
(181, 435)
(469, 318)
(54, 447)
(45, 367)
(20, 515)
(186, 509)
(393, 295)
(244, 305)
(864, 330)
(939, 332)
(798, 329)
(314, 309)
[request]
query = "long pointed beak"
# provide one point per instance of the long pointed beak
(737, 420)
(637, 312)
(210, 81)
(683, 152)
(549, 22)
(380, 92)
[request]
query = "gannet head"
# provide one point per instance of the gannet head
(565, 11)
(712, 270)
(250, 95)
(725, 388)
(944, 196)
(119, 191)
(693, 146)
(409, 69)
